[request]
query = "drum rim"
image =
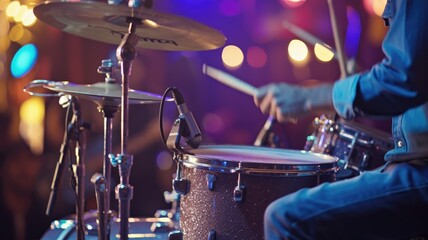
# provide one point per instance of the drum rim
(261, 168)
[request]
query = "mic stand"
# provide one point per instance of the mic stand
(125, 53)
(79, 168)
(179, 185)
(74, 132)
(59, 169)
(265, 138)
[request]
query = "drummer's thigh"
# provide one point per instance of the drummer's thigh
(373, 202)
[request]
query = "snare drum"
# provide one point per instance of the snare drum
(229, 187)
(357, 147)
(139, 228)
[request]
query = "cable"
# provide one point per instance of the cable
(161, 108)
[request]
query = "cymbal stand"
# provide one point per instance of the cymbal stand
(108, 111)
(125, 53)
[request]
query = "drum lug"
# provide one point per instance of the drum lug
(239, 193)
(212, 235)
(181, 186)
(175, 235)
(210, 181)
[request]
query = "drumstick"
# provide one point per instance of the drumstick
(228, 80)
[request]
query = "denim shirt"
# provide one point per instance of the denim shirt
(397, 86)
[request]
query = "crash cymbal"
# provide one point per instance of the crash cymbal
(104, 94)
(108, 23)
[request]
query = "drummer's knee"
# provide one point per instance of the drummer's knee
(276, 222)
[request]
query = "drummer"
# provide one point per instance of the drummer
(392, 201)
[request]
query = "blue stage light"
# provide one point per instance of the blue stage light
(24, 60)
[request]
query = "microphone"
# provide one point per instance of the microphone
(191, 132)
(263, 136)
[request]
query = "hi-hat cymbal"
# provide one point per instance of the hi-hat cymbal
(108, 23)
(104, 94)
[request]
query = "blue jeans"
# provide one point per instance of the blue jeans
(388, 203)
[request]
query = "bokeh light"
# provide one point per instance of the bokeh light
(164, 160)
(232, 56)
(16, 33)
(213, 123)
(292, 3)
(323, 53)
(353, 32)
(29, 19)
(375, 7)
(31, 125)
(13, 8)
(256, 57)
(18, 16)
(26, 37)
(24, 60)
(298, 51)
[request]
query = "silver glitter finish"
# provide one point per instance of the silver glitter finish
(203, 210)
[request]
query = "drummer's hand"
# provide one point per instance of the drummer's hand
(286, 102)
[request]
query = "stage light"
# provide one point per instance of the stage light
(323, 53)
(24, 60)
(232, 56)
(298, 51)
(256, 57)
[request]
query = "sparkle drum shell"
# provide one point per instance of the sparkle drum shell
(230, 187)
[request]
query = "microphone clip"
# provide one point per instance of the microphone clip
(174, 137)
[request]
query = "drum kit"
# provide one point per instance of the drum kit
(220, 191)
